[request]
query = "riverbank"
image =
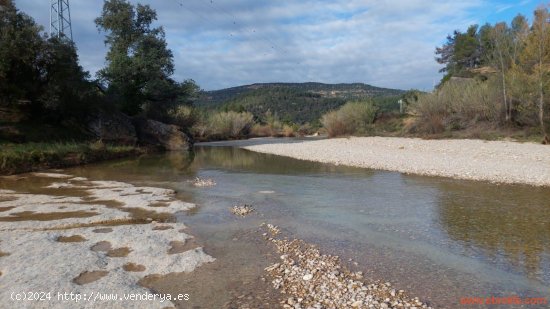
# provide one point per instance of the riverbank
(94, 240)
(493, 161)
(22, 158)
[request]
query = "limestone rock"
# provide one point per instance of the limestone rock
(161, 135)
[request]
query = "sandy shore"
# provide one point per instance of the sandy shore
(494, 161)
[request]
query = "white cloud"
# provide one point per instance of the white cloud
(232, 42)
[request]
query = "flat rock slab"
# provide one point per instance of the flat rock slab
(42, 252)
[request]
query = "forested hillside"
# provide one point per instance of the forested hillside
(292, 102)
(496, 78)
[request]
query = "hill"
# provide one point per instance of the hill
(291, 102)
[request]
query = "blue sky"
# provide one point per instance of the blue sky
(224, 43)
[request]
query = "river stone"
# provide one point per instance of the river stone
(113, 127)
(161, 135)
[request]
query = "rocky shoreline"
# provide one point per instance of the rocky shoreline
(87, 237)
(493, 161)
(313, 280)
(95, 236)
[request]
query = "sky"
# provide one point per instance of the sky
(226, 43)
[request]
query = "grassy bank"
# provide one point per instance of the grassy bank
(20, 158)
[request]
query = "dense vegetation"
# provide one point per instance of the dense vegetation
(289, 104)
(496, 80)
(41, 75)
(137, 78)
(46, 95)
(496, 76)
(47, 99)
(352, 118)
(42, 82)
(495, 85)
(283, 109)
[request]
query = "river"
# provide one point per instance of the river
(437, 238)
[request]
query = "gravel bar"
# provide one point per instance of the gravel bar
(312, 280)
(493, 161)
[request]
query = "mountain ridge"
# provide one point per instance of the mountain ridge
(298, 103)
(211, 98)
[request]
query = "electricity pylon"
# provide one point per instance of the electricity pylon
(60, 19)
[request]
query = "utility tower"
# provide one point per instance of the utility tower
(60, 19)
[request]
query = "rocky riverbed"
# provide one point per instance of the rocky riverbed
(313, 280)
(494, 161)
(95, 239)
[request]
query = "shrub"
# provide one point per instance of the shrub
(306, 129)
(289, 131)
(259, 130)
(351, 118)
(230, 124)
(456, 105)
(183, 116)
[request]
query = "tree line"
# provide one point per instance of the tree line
(515, 56)
(41, 76)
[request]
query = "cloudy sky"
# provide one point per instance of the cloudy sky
(224, 43)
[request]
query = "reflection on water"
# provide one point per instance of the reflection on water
(438, 238)
(236, 159)
(503, 222)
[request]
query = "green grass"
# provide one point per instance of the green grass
(18, 158)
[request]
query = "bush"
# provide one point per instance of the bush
(289, 131)
(457, 105)
(261, 130)
(183, 116)
(230, 124)
(306, 129)
(352, 118)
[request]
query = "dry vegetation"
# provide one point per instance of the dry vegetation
(456, 106)
(224, 125)
(352, 118)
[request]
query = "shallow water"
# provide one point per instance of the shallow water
(439, 239)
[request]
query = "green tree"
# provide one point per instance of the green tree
(67, 91)
(21, 44)
(462, 52)
(139, 63)
(486, 44)
(43, 73)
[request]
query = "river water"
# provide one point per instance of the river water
(439, 239)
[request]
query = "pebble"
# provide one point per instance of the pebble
(313, 280)
(518, 163)
(198, 182)
(242, 210)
